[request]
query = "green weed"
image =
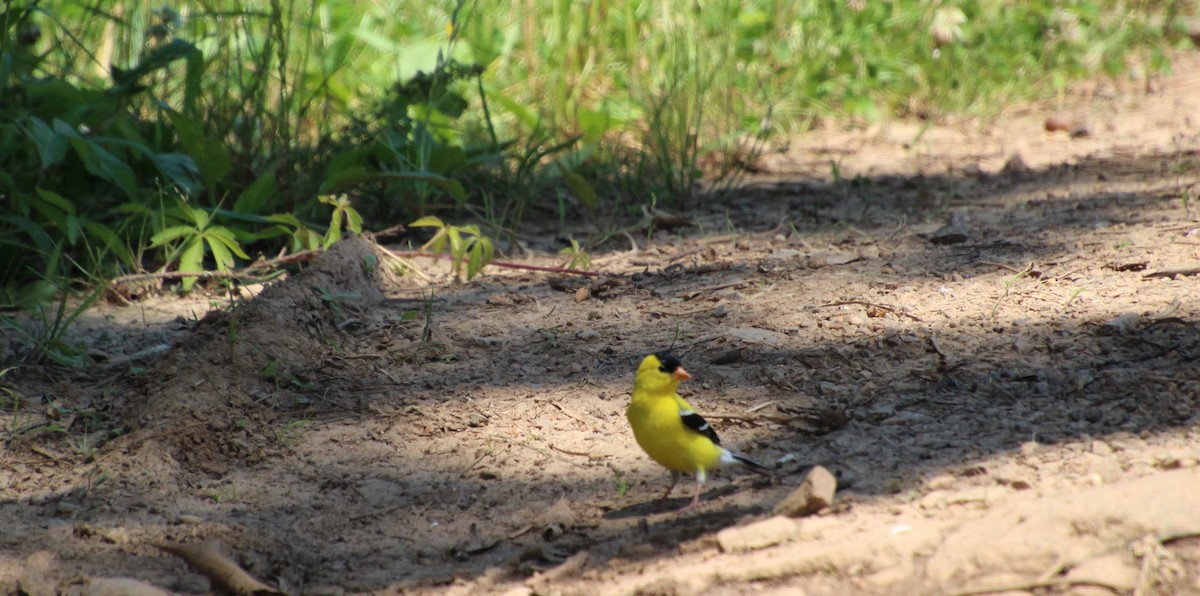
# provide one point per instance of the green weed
(291, 433)
(190, 236)
(580, 259)
(621, 483)
(45, 332)
(333, 302)
(467, 245)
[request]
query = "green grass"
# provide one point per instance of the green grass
(678, 85)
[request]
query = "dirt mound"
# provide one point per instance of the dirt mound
(213, 397)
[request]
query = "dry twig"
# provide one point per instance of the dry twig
(1171, 273)
(408, 254)
(874, 305)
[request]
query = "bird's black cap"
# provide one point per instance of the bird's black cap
(669, 362)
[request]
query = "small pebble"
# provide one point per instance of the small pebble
(814, 494)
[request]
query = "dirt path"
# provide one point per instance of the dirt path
(1008, 403)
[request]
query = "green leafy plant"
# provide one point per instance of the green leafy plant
(580, 259)
(333, 301)
(342, 209)
(466, 244)
(279, 378)
(192, 237)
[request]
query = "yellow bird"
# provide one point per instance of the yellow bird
(670, 431)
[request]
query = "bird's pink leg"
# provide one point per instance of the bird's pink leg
(674, 480)
(695, 504)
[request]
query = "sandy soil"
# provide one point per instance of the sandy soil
(1009, 403)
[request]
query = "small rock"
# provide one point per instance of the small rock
(1057, 123)
(941, 482)
(561, 514)
(1030, 448)
(187, 519)
(760, 534)
(582, 294)
(1101, 448)
(500, 300)
(588, 334)
(118, 535)
(954, 232)
(594, 315)
(1121, 324)
(814, 494)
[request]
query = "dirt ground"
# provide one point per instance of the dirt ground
(1010, 402)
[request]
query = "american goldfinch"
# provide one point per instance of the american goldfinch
(670, 431)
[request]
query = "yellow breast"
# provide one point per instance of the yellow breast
(660, 432)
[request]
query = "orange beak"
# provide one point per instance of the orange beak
(680, 374)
